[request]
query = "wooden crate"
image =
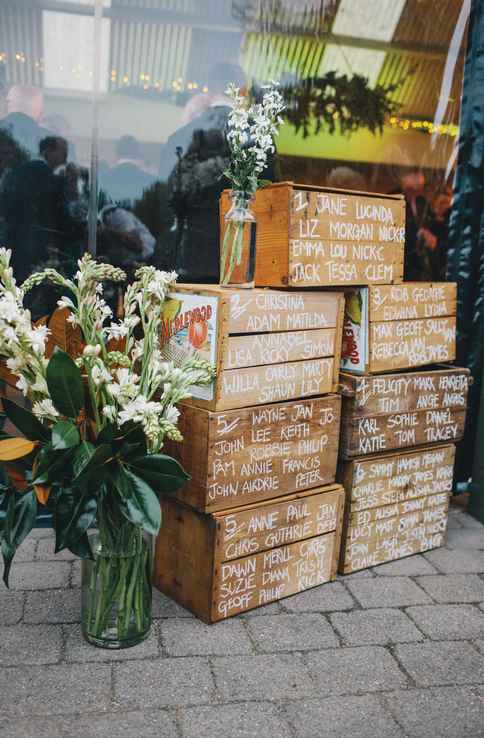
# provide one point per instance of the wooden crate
(249, 455)
(227, 562)
(396, 505)
(266, 345)
(391, 411)
(315, 236)
(399, 326)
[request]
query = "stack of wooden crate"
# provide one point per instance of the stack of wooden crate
(261, 517)
(397, 500)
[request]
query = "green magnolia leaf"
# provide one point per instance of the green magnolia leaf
(65, 384)
(25, 421)
(82, 455)
(163, 473)
(19, 521)
(81, 548)
(109, 433)
(139, 504)
(94, 464)
(74, 513)
(65, 435)
(52, 466)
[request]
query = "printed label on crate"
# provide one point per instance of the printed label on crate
(354, 351)
(190, 329)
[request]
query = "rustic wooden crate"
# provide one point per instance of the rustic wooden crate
(227, 562)
(266, 345)
(402, 326)
(391, 411)
(396, 505)
(248, 455)
(311, 236)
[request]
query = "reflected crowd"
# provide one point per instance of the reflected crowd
(160, 210)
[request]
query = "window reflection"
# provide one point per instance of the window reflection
(160, 150)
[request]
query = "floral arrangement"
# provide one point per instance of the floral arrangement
(91, 446)
(251, 130)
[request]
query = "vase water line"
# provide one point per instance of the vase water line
(117, 588)
(237, 262)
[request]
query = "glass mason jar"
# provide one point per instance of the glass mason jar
(237, 253)
(116, 587)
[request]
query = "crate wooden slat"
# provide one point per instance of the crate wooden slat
(248, 455)
(395, 327)
(396, 505)
(267, 346)
(220, 564)
(314, 236)
(392, 411)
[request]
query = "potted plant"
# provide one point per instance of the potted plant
(91, 447)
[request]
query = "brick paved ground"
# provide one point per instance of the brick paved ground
(398, 651)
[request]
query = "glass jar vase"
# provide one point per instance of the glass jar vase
(237, 253)
(116, 587)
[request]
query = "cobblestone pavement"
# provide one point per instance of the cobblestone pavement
(396, 651)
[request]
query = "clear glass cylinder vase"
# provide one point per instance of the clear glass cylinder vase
(116, 587)
(237, 253)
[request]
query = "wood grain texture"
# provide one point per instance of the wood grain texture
(255, 528)
(254, 581)
(315, 236)
(248, 455)
(412, 300)
(277, 348)
(374, 433)
(386, 479)
(195, 564)
(443, 387)
(402, 344)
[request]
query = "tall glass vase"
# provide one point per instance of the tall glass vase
(237, 254)
(116, 586)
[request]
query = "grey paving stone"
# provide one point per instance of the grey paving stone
(58, 689)
(30, 644)
(449, 622)
(466, 538)
(26, 551)
(326, 598)
(36, 727)
(45, 551)
(163, 682)
(152, 724)
(262, 677)
(75, 573)
(445, 662)
(453, 522)
(190, 637)
(454, 587)
(165, 607)
(480, 645)
(77, 649)
(342, 717)
(458, 561)
(355, 670)
(292, 632)
(469, 522)
(11, 606)
(388, 592)
(245, 720)
(442, 712)
(39, 575)
(53, 606)
(411, 566)
(383, 627)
